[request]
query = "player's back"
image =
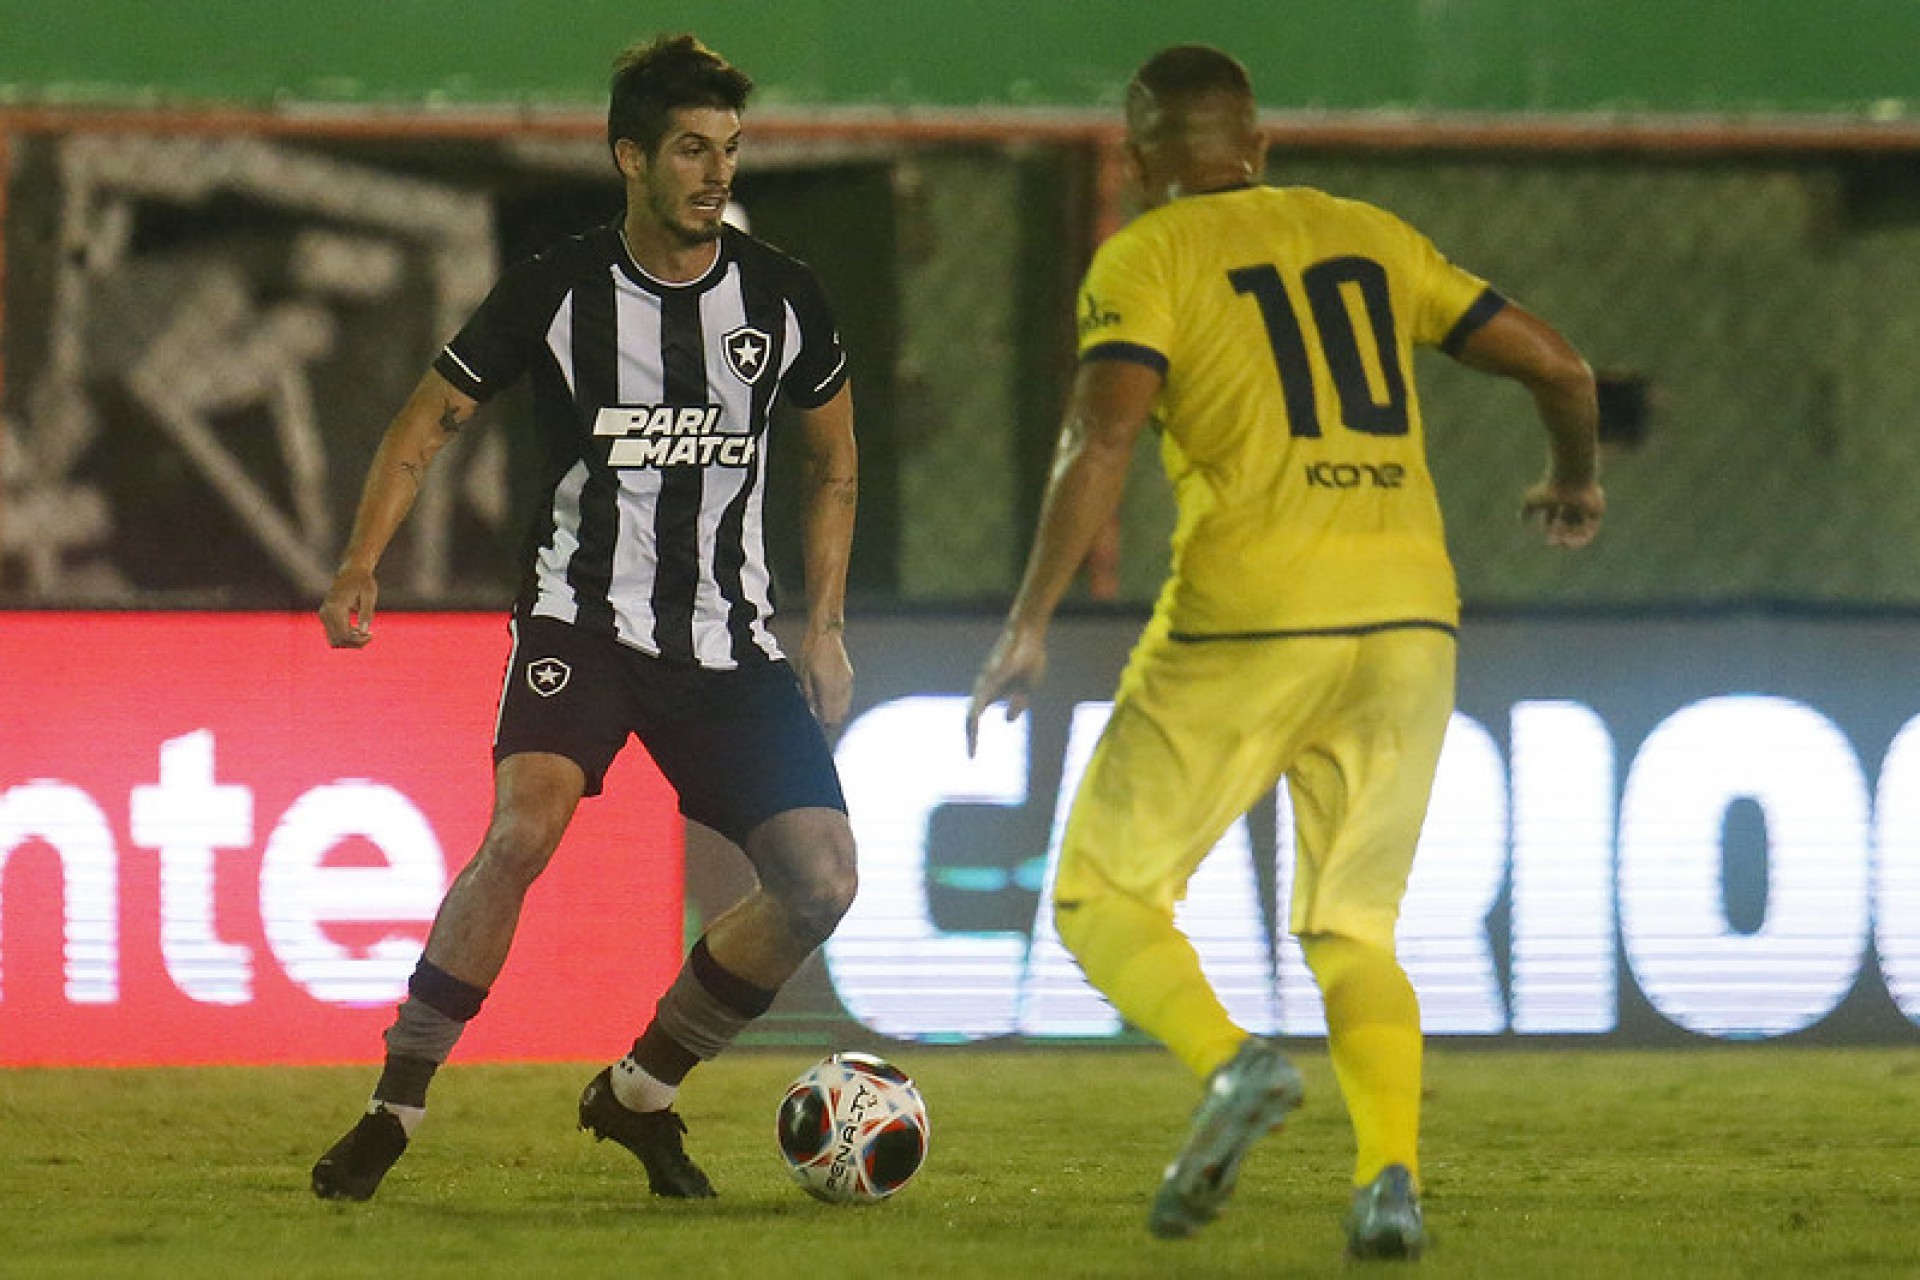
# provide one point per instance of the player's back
(1287, 320)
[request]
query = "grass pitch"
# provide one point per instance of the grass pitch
(1737, 1161)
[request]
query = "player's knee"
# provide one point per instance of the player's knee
(816, 888)
(518, 846)
(806, 863)
(1070, 917)
(818, 901)
(1338, 958)
(1103, 927)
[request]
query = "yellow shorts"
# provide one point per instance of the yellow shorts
(1201, 731)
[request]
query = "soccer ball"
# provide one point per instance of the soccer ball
(853, 1129)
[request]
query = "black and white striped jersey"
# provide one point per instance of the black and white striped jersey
(653, 399)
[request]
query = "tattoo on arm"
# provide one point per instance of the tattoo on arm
(450, 423)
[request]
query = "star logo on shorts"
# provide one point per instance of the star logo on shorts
(747, 350)
(548, 676)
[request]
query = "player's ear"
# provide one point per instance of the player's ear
(1259, 154)
(630, 158)
(1134, 163)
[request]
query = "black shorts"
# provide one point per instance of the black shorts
(738, 746)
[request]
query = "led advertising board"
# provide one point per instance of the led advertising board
(222, 842)
(1644, 829)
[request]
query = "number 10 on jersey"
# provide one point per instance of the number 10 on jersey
(1365, 366)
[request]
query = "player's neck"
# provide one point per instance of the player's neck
(664, 254)
(1210, 180)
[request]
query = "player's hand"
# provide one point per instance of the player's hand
(1570, 513)
(347, 612)
(826, 675)
(1013, 671)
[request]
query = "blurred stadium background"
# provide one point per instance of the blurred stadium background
(231, 238)
(232, 243)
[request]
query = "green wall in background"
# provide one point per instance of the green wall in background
(1685, 56)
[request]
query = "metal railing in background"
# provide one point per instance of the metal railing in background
(207, 318)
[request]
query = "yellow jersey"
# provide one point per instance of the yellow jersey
(1284, 321)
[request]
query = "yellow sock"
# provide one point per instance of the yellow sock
(1137, 958)
(1373, 1036)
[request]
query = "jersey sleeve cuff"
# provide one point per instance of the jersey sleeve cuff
(1131, 352)
(817, 394)
(455, 370)
(1484, 308)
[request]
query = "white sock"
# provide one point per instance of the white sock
(409, 1117)
(635, 1090)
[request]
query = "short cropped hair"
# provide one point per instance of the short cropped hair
(652, 79)
(1192, 71)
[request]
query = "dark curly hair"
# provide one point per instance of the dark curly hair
(667, 72)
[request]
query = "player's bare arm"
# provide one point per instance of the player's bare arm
(1111, 404)
(1519, 345)
(431, 417)
(831, 480)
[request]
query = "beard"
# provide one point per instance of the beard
(671, 215)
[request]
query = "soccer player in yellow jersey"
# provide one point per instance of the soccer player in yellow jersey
(1307, 628)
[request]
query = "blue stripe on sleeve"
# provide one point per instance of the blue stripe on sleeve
(1132, 352)
(1484, 308)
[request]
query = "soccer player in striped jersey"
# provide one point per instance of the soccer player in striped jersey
(1307, 628)
(655, 348)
